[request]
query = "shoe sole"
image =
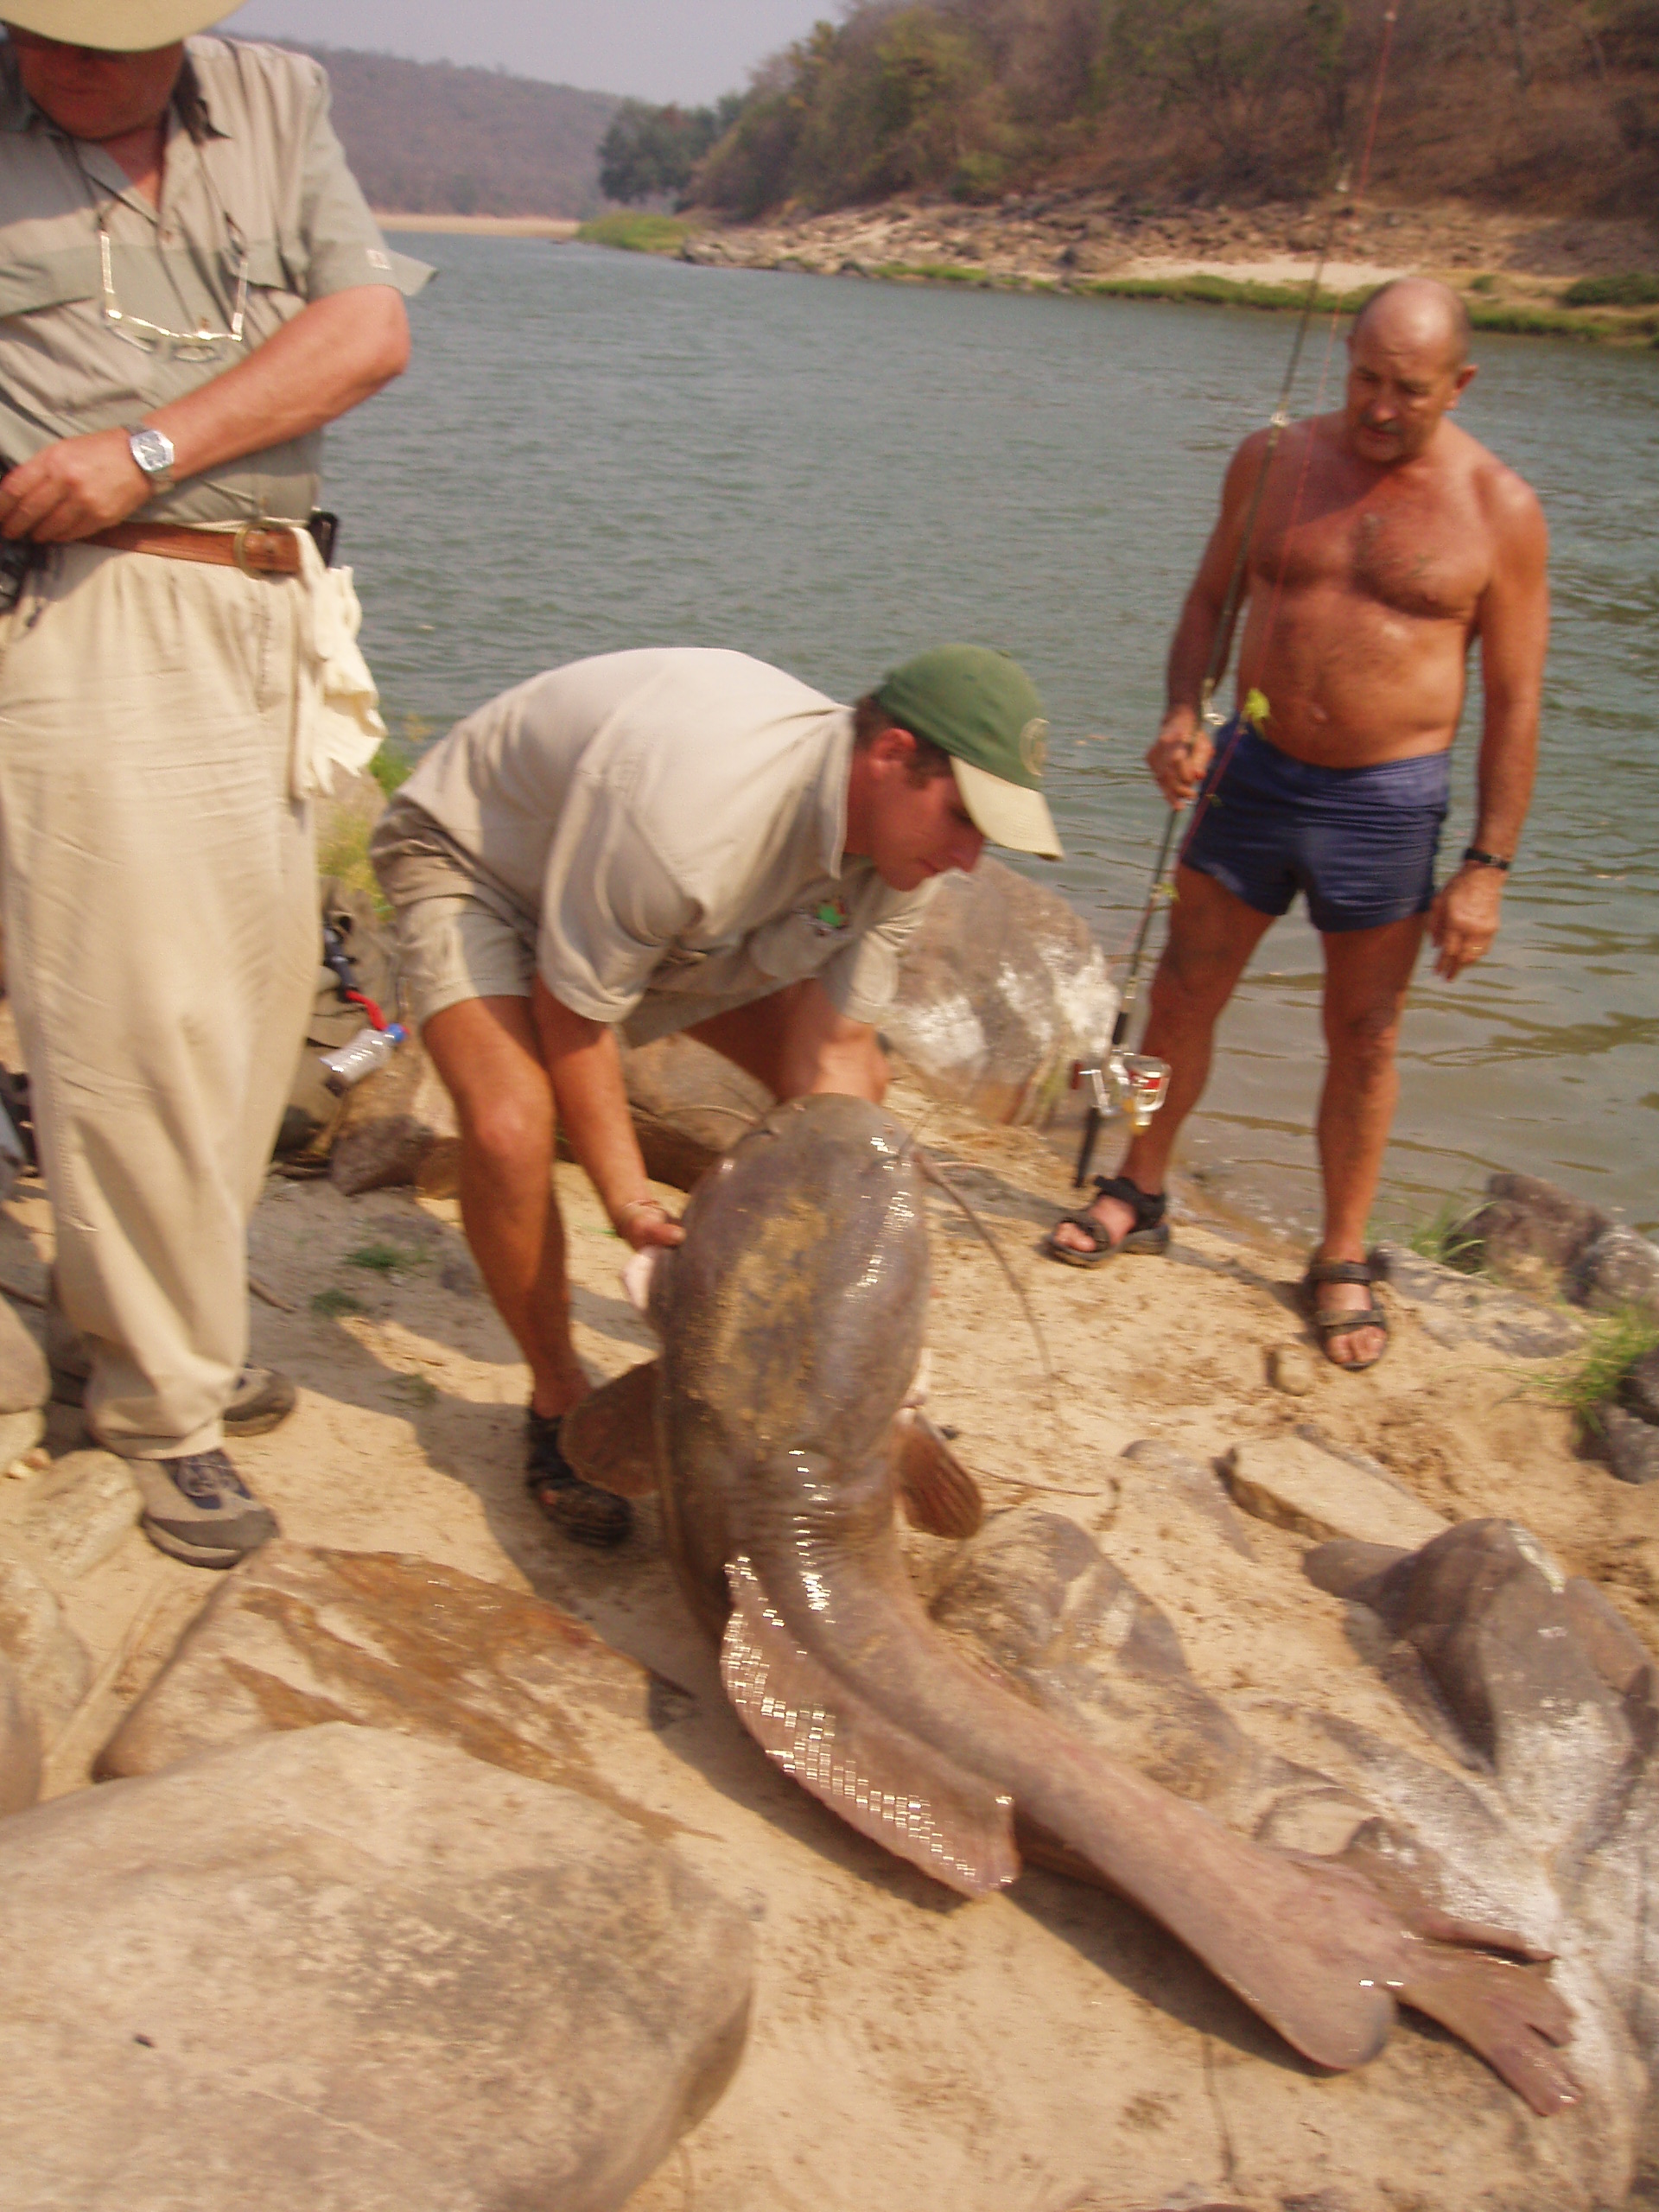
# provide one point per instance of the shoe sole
(196, 1554)
(1138, 1244)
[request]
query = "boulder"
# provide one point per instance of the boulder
(341, 1971)
(689, 1104)
(1000, 990)
(24, 1383)
(297, 1636)
(1458, 1309)
(1293, 1483)
(398, 1126)
(1630, 1444)
(1639, 1392)
(20, 1745)
(52, 1664)
(75, 1513)
(1621, 1269)
(1530, 1231)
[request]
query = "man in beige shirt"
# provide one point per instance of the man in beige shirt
(191, 286)
(677, 839)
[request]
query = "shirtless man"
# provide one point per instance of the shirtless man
(1390, 541)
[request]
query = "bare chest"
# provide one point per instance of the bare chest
(1416, 555)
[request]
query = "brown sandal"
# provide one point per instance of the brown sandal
(1328, 1325)
(1149, 1234)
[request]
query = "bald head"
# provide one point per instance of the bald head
(1414, 314)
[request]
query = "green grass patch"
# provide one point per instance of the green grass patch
(628, 234)
(1635, 289)
(385, 1259)
(1218, 291)
(329, 1305)
(1537, 322)
(1445, 1238)
(1616, 1344)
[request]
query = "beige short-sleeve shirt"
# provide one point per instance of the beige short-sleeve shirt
(677, 819)
(263, 176)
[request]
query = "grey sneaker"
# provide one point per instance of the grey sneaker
(262, 1399)
(198, 1509)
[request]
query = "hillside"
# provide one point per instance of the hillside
(426, 137)
(1549, 106)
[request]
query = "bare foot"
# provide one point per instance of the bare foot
(1114, 1216)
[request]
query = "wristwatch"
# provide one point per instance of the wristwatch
(153, 451)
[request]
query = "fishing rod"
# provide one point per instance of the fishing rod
(1139, 1083)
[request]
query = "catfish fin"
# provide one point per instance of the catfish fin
(902, 1794)
(607, 1437)
(937, 1492)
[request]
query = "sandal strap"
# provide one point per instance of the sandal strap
(1344, 1325)
(1097, 1231)
(1323, 1271)
(1148, 1206)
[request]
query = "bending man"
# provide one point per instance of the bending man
(673, 840)
(1387, 543)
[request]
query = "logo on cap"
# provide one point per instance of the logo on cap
(1033, 745)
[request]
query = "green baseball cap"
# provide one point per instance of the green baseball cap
(981, 708)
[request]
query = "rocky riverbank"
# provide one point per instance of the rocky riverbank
(558, 1921)
(1547, 276)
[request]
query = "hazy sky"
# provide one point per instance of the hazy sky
(689, 50)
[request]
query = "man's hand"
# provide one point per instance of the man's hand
(73, 488)
(1180, 753)
(1463, 921)
(645, 1223)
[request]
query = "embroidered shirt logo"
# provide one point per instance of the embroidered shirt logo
(828, 917)
(1033, 745)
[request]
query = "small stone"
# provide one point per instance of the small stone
(20, 1746)
(78, 1512)
(1639, 1392)
(51, 1661)
(19, 1435)
(24, 1381)
(1620, 1268)
(1294, 1484)
(346, 1968)
(1290, 1369)
(1631, 1443)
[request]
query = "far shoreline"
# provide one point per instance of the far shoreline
(557, 227)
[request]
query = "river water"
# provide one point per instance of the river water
(594, 450)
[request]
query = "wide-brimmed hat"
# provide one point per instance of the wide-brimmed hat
(118, 26)
(981, 708)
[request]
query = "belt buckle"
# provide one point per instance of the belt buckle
(249, 565)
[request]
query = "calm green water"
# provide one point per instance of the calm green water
(596, 450)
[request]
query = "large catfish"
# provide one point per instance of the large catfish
(791, 1320)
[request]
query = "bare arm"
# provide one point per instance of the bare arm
(585, 1069)
(335, 352)
(1181, 752)
(1513, 624)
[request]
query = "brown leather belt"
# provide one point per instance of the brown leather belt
(257, 549)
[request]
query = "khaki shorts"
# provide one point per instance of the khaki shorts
(461, 935)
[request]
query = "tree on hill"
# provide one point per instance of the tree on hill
(649, 152)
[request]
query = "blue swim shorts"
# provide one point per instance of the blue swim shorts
(1360, 842)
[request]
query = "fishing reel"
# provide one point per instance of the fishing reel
(1131, 1083)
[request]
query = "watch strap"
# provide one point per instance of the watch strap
(1473, 856)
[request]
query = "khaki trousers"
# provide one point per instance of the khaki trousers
(161, 943)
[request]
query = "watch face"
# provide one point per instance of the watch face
(152, 450)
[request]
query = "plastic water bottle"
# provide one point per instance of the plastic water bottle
(369, 1050)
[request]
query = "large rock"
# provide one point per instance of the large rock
(24, 1383)
(1295, 1484)
(52, 1662)
(1621, 1269)
(689, 1104)
(1529, 1231)
(398, 1126)
(1458, 1309)
(20, 1745)
(343, 1971)
(1639, 1392)
(296, 1636)
(1000, 990)
(78, 1511)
